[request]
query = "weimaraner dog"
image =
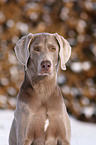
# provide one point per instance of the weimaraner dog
(40, 117)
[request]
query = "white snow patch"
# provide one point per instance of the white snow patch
(23, 27)
(6, 117)
(82, 133)
(88, 111)
(80, 66)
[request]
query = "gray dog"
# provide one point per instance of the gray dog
(40, 117)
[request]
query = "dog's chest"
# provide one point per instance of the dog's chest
(44, 124)
(43, 119)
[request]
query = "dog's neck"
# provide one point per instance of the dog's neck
(43, 86)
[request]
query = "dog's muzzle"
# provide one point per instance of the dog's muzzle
(45, 65)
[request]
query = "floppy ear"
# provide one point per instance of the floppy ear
(65, 50)
(22, 48)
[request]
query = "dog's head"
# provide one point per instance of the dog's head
(41, 52)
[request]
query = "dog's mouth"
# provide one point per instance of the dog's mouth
(44, 72)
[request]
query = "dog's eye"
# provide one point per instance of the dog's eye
(53, 49)
(36, 49)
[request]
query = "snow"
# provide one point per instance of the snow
(80, 66)
(82, 133)
(5, 124)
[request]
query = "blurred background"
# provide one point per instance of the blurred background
(75, 21)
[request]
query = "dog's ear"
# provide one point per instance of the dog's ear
(65, 50)
(22, 48)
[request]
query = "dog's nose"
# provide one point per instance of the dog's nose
(45, 65)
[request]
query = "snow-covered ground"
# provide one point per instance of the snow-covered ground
(82, 133)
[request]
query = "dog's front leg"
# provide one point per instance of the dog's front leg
(51, 141)
(66, 131)
(28, 142)
(22, 116)
(62, 142)
(12, 136)
(39, 142)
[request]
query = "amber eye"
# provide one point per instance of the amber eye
(36, 49)
(53, 49)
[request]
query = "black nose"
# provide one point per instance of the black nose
(45, 65)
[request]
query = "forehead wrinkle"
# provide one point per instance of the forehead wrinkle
(37, 41)
(52, 41)
(44, 40)
(51, 45)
